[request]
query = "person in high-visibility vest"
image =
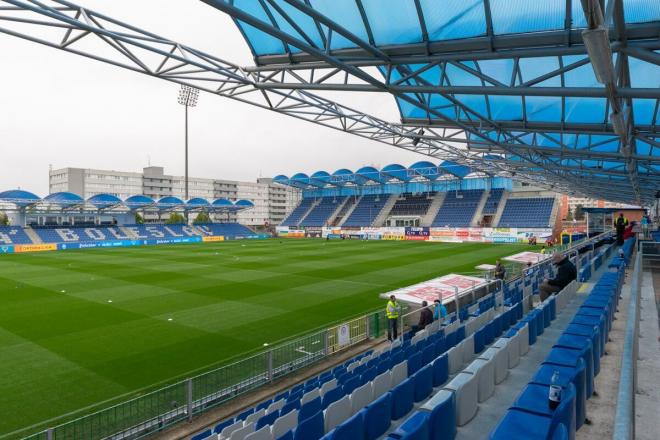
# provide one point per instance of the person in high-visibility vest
(392, 311)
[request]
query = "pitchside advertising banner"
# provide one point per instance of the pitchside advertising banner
(443, 288)
(448, 235)
(6, 249)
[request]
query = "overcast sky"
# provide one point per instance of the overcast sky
(64, 110)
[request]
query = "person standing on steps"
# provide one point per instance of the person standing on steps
(392, 311)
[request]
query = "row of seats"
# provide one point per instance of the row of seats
(527, 213)
(297, 214)
(457, 403)
(13, 235)
(492, 202)
(225, 229)
(409, 204)
(458, 208)
(80, 235)
(355, 395)
(320, 214)
(575, 357)
(366, 211)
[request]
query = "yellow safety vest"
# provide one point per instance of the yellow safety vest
(392, 310)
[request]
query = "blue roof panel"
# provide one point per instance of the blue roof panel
(455, 19)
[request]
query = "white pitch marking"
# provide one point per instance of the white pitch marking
(63, 291)
(169, 319)
(109, 300)
(300, 350)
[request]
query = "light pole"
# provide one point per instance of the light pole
(187, 98)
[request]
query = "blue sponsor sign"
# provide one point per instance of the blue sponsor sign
(6, 249)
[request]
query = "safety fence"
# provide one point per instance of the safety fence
(159, 409)
(648, 254)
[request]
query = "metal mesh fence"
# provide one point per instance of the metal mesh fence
(159, 409)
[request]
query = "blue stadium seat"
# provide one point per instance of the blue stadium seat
(458, 208)
(320, 214)
(527, 213)
(266, 420)
(202, 435)
(351, 384)
(415, 427)
(440, 370)
(377, 417)
(366, 210)
(423, 383)
(13, 235)
(222, 425)
(351, 429)
(414, 363)
(309, 428)
(310, 408)
(296, 215)
(403, 396)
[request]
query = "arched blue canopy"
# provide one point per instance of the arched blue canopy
(395, 171)
(457, 170)
(320, 178)
(425, 169)
(19, 197)
(64, 199)
(299, 180)
(370, 174)
(244, 204)
(169, 202)
(281, 178)
(104, 201)
(343, 176)
(139, 201)
(222, 204)
(197, 203)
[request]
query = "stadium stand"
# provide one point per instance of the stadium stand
(127, 232)
(409, 204)
(527, 212)
(226, 229)
(13, 235)
(427, 385)
(296, 215)
(458, 208)
(79, 234)
(492, 202)
(366, 211)
(320, 214)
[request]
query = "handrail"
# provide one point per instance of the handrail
(624, 421)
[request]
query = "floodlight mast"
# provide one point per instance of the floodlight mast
(188, 98)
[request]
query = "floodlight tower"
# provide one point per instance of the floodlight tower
(187, 98)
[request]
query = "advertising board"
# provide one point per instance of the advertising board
(443, 288)
(19, 248)
(213, 238)
(6, 249)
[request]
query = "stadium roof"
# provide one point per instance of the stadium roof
(423, 170)
(558, 93)
(64, 200)
(19, 197)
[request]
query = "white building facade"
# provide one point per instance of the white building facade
(272, 202)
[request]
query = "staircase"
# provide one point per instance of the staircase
(348, 213)
(480, 207)
(385, 212)
(438, 200)
(33, 235)
(500, 209)
(336, 212)
(312, 206)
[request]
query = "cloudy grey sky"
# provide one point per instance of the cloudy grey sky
(64, 110)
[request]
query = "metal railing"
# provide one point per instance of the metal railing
(624, 423)
(180, 401)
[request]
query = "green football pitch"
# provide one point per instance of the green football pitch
(79, 329)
